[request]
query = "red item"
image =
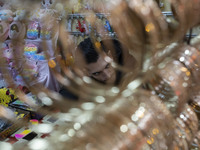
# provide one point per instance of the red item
(45, 135)
(80, 28)
(12, 140)
(7, 92)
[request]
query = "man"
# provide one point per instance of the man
(95, 58)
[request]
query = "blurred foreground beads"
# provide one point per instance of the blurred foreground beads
(159, 108)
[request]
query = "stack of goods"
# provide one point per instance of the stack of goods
(19, 109)
(4, 125)
(7, 96)
(18, 104)
(8, 128)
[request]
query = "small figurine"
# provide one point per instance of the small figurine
(17, 30)
(48, 9)
(48, 4)
(5, 12)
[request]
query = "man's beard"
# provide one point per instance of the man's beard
(102, 82)
(116, 82)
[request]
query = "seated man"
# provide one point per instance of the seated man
(95, 59)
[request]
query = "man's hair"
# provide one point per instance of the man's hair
(87, 47)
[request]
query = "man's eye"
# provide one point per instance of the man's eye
(96, 73)
(107, 66)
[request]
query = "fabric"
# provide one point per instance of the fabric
(45, 76)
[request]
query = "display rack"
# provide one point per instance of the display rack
(83, 16)
(167, 13)
(110, 34)
(106, 15)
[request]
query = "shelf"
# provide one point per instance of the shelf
(104, 15)
(96, 34)
(82, 15)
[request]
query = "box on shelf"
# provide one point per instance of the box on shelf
(18, 104)
(14, 126)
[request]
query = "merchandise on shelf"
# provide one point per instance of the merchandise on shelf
(17, 30)
(30, 70)
(33, 30)
(69, 25)
(30, 48)
(78, 25)
(39, 56)
(20, 105)
(6, 15)
(45, 33)
(48, 4)
(9, 128)
(20, 15)
(4, 125)
(107, 26)
(6, 96)
(85, 27)
(7, 53)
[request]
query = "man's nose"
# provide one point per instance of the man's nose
(106, 75)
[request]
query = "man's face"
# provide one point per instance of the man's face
(102, 70)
